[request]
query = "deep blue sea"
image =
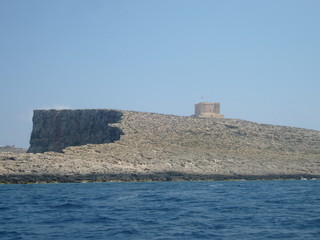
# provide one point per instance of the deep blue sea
(162, 210)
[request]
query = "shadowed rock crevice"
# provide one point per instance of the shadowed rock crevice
(54, 130)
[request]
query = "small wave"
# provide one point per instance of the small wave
(310, 223)
(10, 235)
(215, 185)
(68, 206)
(124, 232)
(99, 219)
(128, 197)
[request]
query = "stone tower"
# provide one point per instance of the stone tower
(208, 110)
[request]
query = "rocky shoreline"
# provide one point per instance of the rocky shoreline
(159, 147)
(132, 177)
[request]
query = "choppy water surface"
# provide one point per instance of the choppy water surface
(162, 210)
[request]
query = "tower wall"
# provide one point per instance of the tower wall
(208, 110)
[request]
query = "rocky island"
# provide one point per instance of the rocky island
(115, 145)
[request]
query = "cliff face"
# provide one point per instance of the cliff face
(54, 130)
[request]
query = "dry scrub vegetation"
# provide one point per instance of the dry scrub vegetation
(167, 147)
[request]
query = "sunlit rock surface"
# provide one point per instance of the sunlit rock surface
(167, 147)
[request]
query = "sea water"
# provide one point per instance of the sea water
(162, 210)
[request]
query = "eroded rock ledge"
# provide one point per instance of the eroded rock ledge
(166, 147)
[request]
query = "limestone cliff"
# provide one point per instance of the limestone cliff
(159, 147)
(54, 130)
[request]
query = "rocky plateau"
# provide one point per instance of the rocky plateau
(159, 147)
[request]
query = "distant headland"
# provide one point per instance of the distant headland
(115, 145)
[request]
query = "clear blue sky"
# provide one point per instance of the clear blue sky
(259, 59)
